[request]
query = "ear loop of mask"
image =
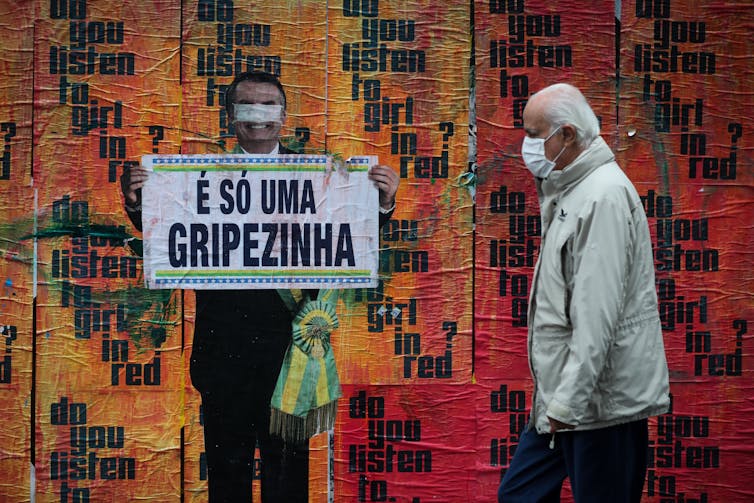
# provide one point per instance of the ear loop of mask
(257, 113)
(562, 149)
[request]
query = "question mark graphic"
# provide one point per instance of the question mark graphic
(10, 127)
(452, 329)
(737, 130)
(449, 131)
(158, 132)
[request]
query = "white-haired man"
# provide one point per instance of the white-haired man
(595, 342)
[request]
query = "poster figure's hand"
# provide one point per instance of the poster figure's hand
(131, 182)
(386, 180)
(556, 425)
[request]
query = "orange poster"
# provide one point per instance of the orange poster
(16, 253)
(109, 365)
(685, 137)
(397, 88)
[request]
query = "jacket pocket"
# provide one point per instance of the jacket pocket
(636, 369)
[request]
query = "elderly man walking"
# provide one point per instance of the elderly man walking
(595, 342)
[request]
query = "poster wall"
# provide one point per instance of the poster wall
(98, 403)
(683, 136)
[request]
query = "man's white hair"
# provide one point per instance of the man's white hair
(566, 105)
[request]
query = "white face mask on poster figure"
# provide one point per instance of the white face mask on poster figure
(533, 152)
(259, 114)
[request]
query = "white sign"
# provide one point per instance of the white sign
(259, 221)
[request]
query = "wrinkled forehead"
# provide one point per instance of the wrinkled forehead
(258, 93)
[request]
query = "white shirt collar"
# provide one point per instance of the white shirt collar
(275, 150)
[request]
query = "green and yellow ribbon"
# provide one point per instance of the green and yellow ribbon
(305, 399)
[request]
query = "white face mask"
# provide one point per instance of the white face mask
(533, 152)
(260, 114)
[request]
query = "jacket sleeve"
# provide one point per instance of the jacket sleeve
(135, 217)
(384, 217)
(595, 264)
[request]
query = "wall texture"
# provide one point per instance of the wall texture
(97, 401)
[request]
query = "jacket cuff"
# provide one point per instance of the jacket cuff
(562, 413)
(387, 211)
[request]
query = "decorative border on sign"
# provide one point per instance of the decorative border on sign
(266, 280)
(240, 162)
(271, 276)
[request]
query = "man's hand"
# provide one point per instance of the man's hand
(131, 182)
(556, 425)
(387, 181)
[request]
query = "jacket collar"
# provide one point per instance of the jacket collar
(595, 155)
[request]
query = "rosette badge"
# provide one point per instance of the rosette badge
(312, 328)
(306, 395)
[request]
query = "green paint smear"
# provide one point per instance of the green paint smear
(150, 314)
(116, 234)
(76, 230)
(353, 297)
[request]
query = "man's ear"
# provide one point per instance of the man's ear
(569, 134)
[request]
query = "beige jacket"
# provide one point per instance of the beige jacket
(595, 343)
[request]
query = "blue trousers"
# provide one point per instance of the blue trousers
(607, 464)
